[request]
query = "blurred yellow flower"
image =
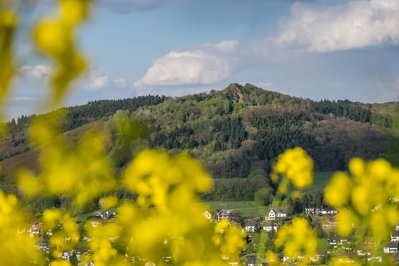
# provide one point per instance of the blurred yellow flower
(296, 165)
(338, 190)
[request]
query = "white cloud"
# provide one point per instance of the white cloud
(357, 24)
(97, 83)
(201, 66)
(35, 71)
(121, 83)
(227, 46)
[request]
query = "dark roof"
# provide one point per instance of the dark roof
(251, 223)
(391, 245)
(281, 210)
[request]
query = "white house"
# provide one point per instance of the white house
(328, 211)
(251, 226)
(275, 214)
(395, 236)
(66, 256)
(391, 247)
(269, 226)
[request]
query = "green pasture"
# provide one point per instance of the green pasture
(244, 208)
(320, 181)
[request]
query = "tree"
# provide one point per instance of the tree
(298, 207)
(290, 206)
(263, 197)
(306, 201)
(319, 200)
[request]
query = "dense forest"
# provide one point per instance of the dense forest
(237, 132)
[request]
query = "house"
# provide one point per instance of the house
(269, 226)
(310, 210)
(391, 247)
(281, 213)
(66, 256)
(395, 236)
(271, 216)
(332, 211)
(223, 214)
(328, 211)
(275, 214)
(251, 226)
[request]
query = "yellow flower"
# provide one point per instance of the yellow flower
(338, 190)
(296, 165)
(357, 166)
(360, 199)
(73, 11)
(346, 220)
(380, 169)
(298, 239)
(272, 258)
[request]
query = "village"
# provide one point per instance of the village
(330, 244)
(323, 219)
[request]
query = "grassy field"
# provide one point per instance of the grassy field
(244, 208)
(322, 245)
(320, 181)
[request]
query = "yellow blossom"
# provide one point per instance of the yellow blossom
(297, 166)
(338, 190)
(346, 220)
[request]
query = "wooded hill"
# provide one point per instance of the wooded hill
(236, 132)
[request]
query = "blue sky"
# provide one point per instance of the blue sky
(310, 49)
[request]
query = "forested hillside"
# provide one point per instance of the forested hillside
(236, 133)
